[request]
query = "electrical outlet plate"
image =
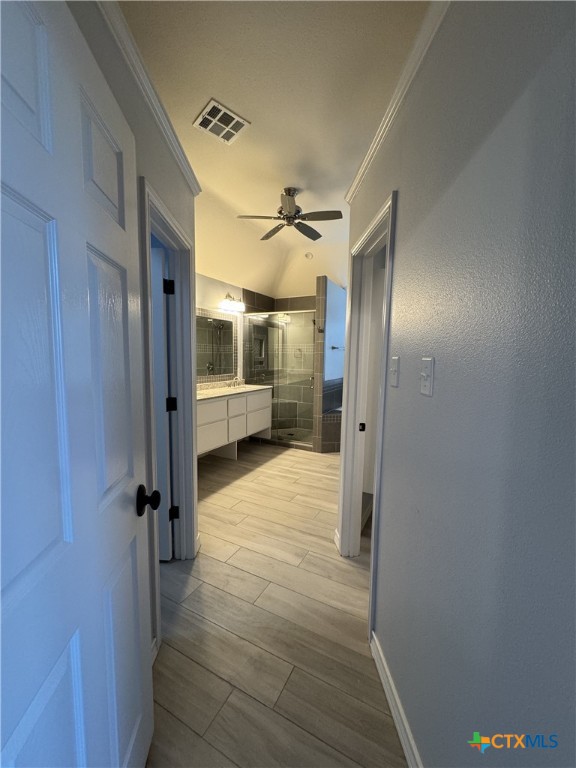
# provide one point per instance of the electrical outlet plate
(427, 376)
(394, 371)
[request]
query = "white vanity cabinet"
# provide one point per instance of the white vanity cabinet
(236, 418)
(212, 420)
(259, 411)
(223, 419)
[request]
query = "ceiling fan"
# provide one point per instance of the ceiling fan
(290, 215)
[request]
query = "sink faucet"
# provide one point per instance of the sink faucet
(236, 381)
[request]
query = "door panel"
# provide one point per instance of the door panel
(33, 425)
(107, 298)
(76, 657)
(25, 82)
(103, 167)
(123, 654)
(56, 699)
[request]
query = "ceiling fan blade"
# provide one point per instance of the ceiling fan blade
(274, 218)
(288, 204)
(273, 231)
(308, 231)
(320, 215)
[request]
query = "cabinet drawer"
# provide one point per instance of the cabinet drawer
(212, 436)
(211, 410)
(258, 420)
(257, 400)
(236, 427)
(236, 405)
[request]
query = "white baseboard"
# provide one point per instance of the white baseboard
(397, 710)
(155, 649)
(337, 540)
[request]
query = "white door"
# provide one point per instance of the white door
(158, 273)
(76, 669)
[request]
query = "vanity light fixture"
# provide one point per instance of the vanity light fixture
(230, 304)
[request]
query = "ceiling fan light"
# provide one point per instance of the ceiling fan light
(291, 215)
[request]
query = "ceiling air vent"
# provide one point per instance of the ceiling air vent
(220, 121)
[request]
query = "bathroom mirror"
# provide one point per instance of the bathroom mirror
(216, 342)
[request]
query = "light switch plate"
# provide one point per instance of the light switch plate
(427, 376)
(394, 371)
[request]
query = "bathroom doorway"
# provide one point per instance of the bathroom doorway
(168, 281)
(366, 379)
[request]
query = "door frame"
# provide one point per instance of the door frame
(156, 219)
(378, 235)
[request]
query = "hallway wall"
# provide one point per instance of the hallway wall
(475, 588)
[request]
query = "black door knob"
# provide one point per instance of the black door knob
(142, 500)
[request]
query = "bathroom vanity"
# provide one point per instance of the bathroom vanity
(227, 414)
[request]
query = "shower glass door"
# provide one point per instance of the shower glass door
(279, 350)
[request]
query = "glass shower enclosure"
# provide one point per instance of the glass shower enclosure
(279, 350)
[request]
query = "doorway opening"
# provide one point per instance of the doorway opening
(365, 380)
(165, 381)
(168, 283)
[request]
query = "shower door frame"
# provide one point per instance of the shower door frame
(276, 363)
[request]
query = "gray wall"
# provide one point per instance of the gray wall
(210, 292)
(475, 586)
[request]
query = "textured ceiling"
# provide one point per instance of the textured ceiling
(314, 80)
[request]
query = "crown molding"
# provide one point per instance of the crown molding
(117, 25)
(430, 26)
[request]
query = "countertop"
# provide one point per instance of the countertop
(226, 391)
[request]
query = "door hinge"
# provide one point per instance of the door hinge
(174, 513)
(171, 404)
(169, 287)
(362, 427)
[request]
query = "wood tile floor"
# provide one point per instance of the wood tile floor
(264, 660)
